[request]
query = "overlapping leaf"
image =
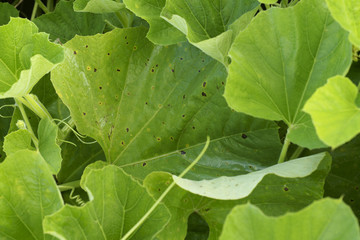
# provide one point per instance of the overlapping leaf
(279, 61)
(151, 107)
(274, 195)
(7, 11)
(324, 219)
(28, 193)
(117, 204)
(98, 6)
(346, 12)
(25, 57)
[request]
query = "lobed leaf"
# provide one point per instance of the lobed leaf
(98, 6)
(117, 202)
(279, 61)
(324, 219)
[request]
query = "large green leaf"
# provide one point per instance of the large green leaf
(7, 11)
(151, 107)
(241, 186)
(279, 61)
(160, 32)
(335, 112)
(117, 204)
(346, 12)
(28, 193)
(64, 23)
(274, 195)
(98, 6)
(25, 57)
(325, 219)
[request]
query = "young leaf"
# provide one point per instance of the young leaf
(334, 111)
(28, 193)
(160, 32)
(325, 219)
(279, 61)
(238, 187)
(117, 203)
(274, 195)
(346, 13)
(7, 11)
(16, 141)
(151, 107)
(24, 61)
(98, 6)
(64, 23)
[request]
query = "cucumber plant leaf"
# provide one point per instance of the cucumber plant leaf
(178, 103)
(241, 186)
(334, 111)
(346, 13)
(160, 32)
(64, 23)
(98, 6)
(28, 193)
(324, 219)
(117, 202)
(23, 62)
(276, 67)
(16, 141)
(7, 11)
(274, 195)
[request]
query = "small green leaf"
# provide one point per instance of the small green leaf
(98, 6)
(238, 187)
(48, 147)
(346, 12)
(334, 111)
(7, 11)
(117, 202)
(325, 219)
(64, 23)
(16, 141)
(279, 61)
(274, 195)
(24, 61)
(28, 193)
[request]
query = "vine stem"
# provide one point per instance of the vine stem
(33, 103)
(35, 8)
(42, 6)
(284, 149)
(147, 214)
(28, 125)
(69, 186)
(297, 153)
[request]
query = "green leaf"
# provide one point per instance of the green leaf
(64, 23)
(117, 203)
(268, 1)
(346, 13)
(160, 32)
(7, 11)
(76, 158)
(28, 193)
(48, 147)
(325, 219)
(241, 186)
(98, 6)
(24, 61)
(151, 107)
(16, 141)
(279, 61)
(274, 195)
(334, 111)
(207, 23)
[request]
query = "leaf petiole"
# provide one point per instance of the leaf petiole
(284, 149)
(69, 186)
(33, 103)
(147, 214)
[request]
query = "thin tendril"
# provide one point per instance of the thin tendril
(77, 134)
(8, 105)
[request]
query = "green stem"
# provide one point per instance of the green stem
(33, 103)
(284, 149)
(42, 6)
(292, 3)
(69, 186)
(34, 11)
(284, 3)
(147, 214)
(28, 125)
(50, 5)
(297, 152)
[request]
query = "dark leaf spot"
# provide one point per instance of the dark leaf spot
(108, 54)
(75, 52)
(207, 209)
(158, 139)
(244, 136)
(118, 70)
(144, 164)
(183, 152)
(152, 70)
(95, 69)
(183, 115)
(125, 37)
(204, 84)
(135, 47)
(86, 46)
(199, 71)
(286, 189)
(172, 70)
(146, 103)
(193, 127)
(159, 189)
(100, 87)
(127, 129)
(203, 94)
(222, 83)
(181, 58)
(127, 42)
(184, 96)
(84, 113)
(172, 138)
(352, 200)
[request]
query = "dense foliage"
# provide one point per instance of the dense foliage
(179, 119)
